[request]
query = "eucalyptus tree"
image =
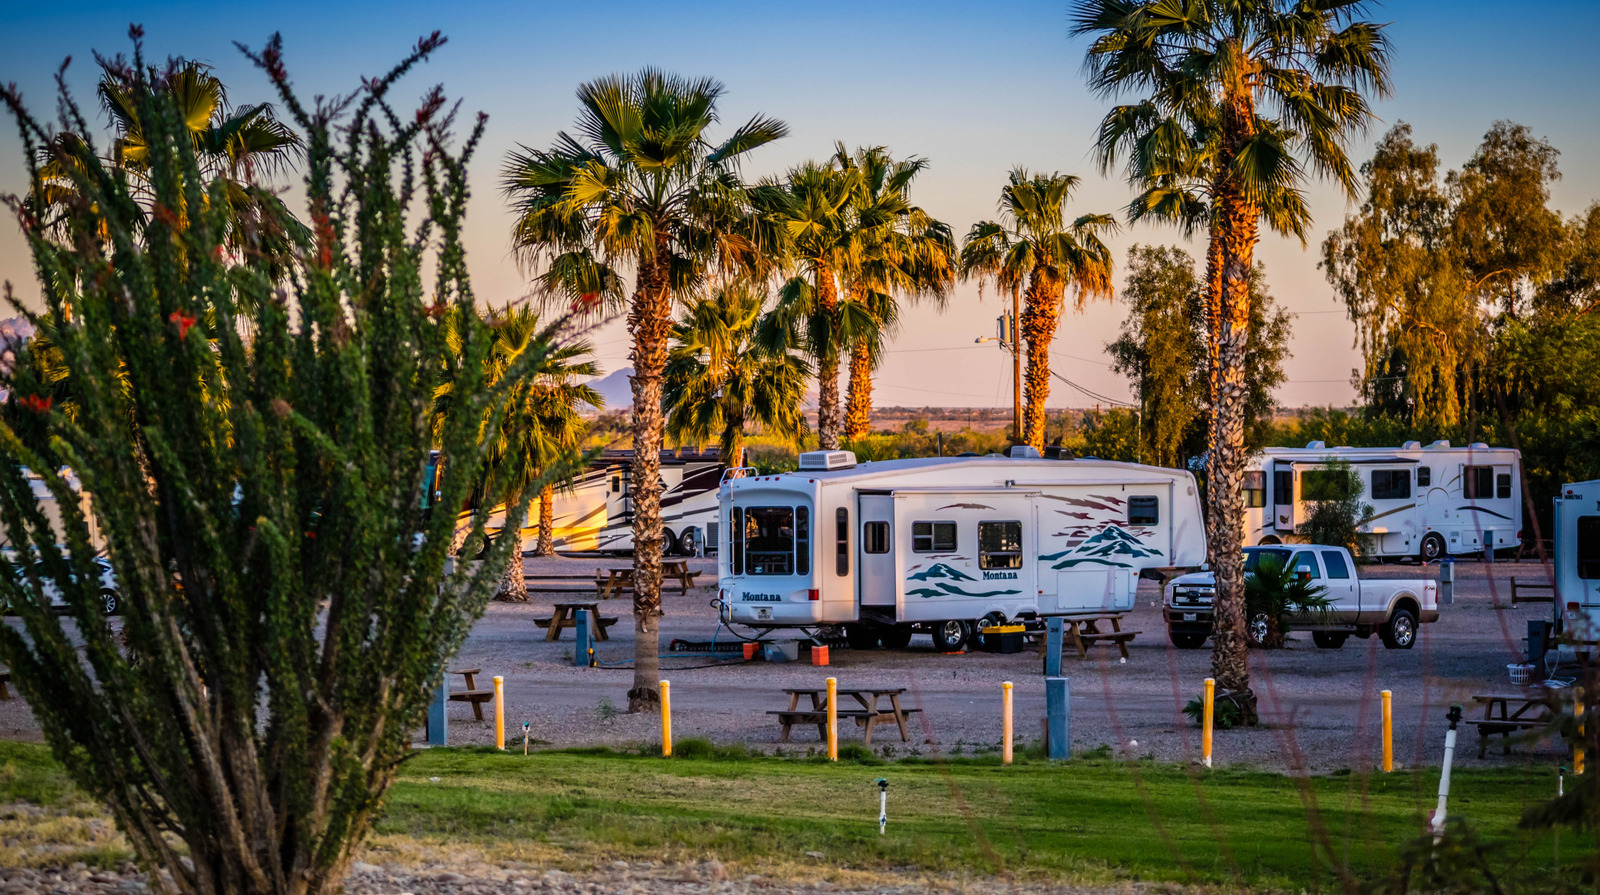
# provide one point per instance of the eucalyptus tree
(640, 186)
(722, 380)
(1034, 243)
(1233, 95)
(904, 252)
(289, 608)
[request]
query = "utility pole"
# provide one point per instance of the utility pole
(1016, 363)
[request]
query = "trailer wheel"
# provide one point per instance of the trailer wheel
(669, 543)
(1432, 548)
(861, 636)
(1329, 639)
(1186, 641)
(951, 636)
(1400, 631)
(895, 636)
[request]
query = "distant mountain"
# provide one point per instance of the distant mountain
(615, 388)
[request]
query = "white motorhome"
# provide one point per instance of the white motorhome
(1576, 523)
(1427, 501)
(52, 510)
(947, 544)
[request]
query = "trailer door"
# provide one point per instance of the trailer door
(877, 579)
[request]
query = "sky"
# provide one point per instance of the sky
(975, 88)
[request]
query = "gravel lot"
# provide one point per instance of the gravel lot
(1320, 707)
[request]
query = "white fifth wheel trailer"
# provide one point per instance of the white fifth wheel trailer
(1427, 501)
(1576, 521)
(947, 544)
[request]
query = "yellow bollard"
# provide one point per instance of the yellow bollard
(1005, 723)
(1388, 731)
(666, 719)
(833, 719)
(499, 712)
(1577, 747)
(1205, 724)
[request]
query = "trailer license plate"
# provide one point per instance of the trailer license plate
(1190, 616)
(764, 614)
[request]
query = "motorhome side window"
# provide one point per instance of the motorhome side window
(1146, 510)
(933, 537)
(1502, 485)
(999, 545)
(1477, 482)
(1255, 490)
(875, 537)
(1391, 484)
(1589, 547)
(769, 540)
(802, 541)
(1424, 476)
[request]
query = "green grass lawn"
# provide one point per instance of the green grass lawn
(1091, 819)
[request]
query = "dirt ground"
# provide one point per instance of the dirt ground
(1320, 707)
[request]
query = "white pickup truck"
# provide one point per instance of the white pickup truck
(1392, 608)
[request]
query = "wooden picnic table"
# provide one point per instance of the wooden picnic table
(866, 712)
(1086, 631)
(609, 583)
(471, 694)
(565, 615)
(1509, 713)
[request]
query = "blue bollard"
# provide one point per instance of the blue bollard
(1052, 647)
(1057, 702)
(438, 722)
(580, 652)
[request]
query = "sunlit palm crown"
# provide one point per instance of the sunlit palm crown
(1033, 242)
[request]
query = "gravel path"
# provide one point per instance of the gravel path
(1320, 706)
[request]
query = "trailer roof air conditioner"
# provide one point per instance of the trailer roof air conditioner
(1316, 445)
(1058, 452)
(824, 460)
(1441, 444)
(1411, 446)
(1022, 452)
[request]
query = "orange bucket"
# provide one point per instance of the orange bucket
(749, 651)
(819, 655)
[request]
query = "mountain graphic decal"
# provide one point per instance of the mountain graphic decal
(1113, 546)
(941, 581)
(940, 570)
(950, 590)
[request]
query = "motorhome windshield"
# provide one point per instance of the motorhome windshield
(769, 537)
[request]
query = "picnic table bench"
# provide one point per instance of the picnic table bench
(1499, 717)
(545, 583)
(1085, 632)
(1532, 592)
(471, 694)
(608, 583)
(565, 615)
(865, 712)
(5, 678)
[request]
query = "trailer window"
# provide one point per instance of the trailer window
(875, 537)
(1502, 486)
(1391, 484)
(1589, 547)
(1144, 510)
(736, 540)
(802, 541)
(999, 545)
(1337, 567)
(1424, 476)
(769, 540)
(1283, 487)
(933, 537)
(841, 537)
(1255, 489)
(1477, 482)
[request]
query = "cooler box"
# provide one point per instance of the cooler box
(1001, 638)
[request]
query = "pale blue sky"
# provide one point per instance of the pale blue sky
(976, 88)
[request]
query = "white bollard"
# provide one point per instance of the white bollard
(883, 805)
(1444, 776)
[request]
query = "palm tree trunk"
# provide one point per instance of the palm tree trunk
(513, 585)
(858, 403)
(650, 322)
(1040, 316)
(1236, 223)
(547, 521)
(828, 364)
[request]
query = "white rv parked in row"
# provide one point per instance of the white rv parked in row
(1576, 539)
(1427, 502)
(947, 545)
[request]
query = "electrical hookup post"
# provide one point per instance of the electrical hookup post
(1444, 775)
(883, 805)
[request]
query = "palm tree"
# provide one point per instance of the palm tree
(1034, 241)
(721, 380)
(904, 251)
(641, 186)
(1234, 94)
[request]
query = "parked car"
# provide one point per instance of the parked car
(110, 597)
(1392, 608)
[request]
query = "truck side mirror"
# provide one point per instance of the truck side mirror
(1303, 575)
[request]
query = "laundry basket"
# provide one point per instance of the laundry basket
(1520, 674)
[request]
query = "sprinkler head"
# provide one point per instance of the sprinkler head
(883, 785)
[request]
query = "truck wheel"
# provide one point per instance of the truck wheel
(951, 636)
(1329, 639)
(1186, 641)
(1400, 631)
(110, 602)
(895, 636)
(1432, 548)
(1256, 629)
(861, 636)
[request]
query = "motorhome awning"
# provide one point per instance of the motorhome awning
(1353, 461)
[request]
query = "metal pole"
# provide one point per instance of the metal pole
(666, 719)
(1577, 714)
(1444, 777)
(1388, 731)
(1208, 718)
(1058, 718)
(1005, 723)
(1016, 363)
(833, 719)
(499, 712)
(1052, 646)
(438, 720)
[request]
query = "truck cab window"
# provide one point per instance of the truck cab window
(769, 539)
(999, 545)
(1255, 491)
(1306, 561)
(1334, 560)
(875, 537)
(933, 537)
(1589, 547)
